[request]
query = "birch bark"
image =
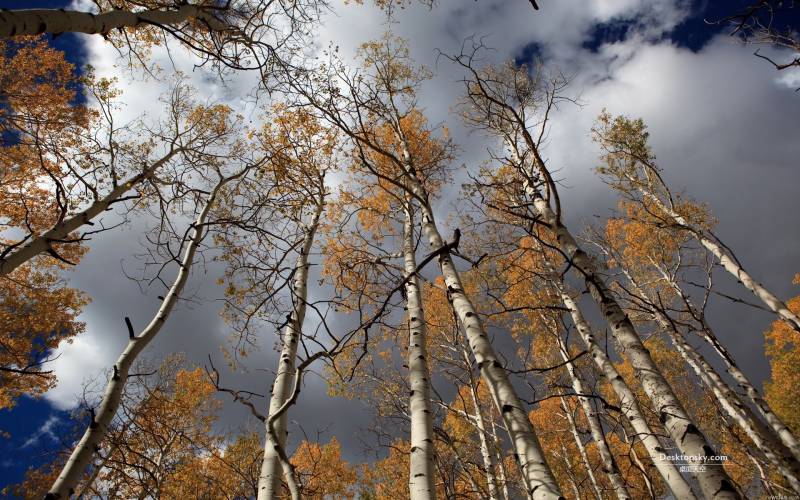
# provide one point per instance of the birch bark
(630, 408)
(740, 414)
(421, 475)
(63, 228)
(783, 433)
(269, 481)
(766, 441)
(37, 21)
(486, 452)
(84, 451)
(730, 263)
(596, 428)
(714, 482)
(537, 477)
(573, 427)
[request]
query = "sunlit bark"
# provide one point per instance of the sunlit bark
(102, 417)
(421, 478)
(269, 481)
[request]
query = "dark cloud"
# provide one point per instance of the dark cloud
(722, 126)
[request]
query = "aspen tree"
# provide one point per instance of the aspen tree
(471, 412)
(528, 274)
(90, 167)
(533, 286)
(362, 273)
(656, 256)
(166, 411)
(430, 155)
(421, 475)
(385, 92)
(247, 35)
(161, 424)
(269, 479)
(467, 415)
(501, 101)
(587, 464)
(630, 168)
(281, 209)
(595, 427)
(101, 418)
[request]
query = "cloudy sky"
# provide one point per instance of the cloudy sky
(723, 126)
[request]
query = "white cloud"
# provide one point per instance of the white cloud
(46, 430)
(78, 363)
(720, 121)
(789, 78)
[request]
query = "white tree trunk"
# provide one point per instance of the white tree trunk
(733, 406)
(38, 21)
(730, 264)
(269, 480)
(502, 476)
(62, 229)
(421, 481)
(630, 408)
(714, 482)
(781, 431)
(487, 444)
(84, 451)
(573, 427)
(596, 428)
(536, 475)
(765, 440)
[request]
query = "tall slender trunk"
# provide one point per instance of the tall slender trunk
(569, 468)
(767, 442)
(628, 404)
(730, 263)
(573, 427)
(421, 481)
(634, 455)
(269, 479)
(595, 427)
(483, 436)
(714, 482)
(92, 438)
(740, 413)
(61, 230)
(502, 475)
(37, 21)
(536, 475)
(781, 431)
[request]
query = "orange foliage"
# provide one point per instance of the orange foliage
(37, 312)
(783, 388)
(322, 471)
(387, 479)
(168, 425)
